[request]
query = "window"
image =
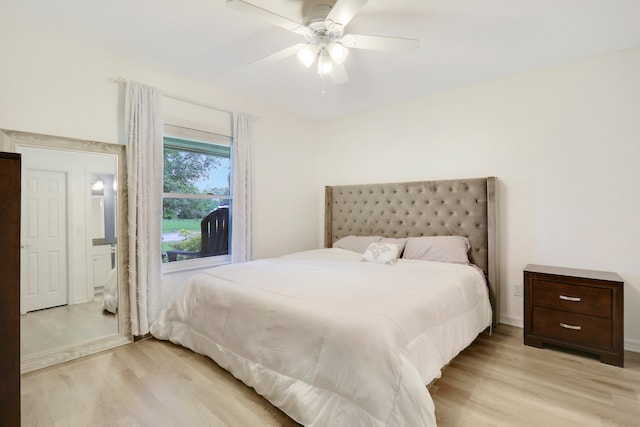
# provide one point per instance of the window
(196, 195)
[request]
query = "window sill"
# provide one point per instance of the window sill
(195, 264)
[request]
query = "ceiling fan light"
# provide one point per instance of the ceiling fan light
(325, 66)
(307, 54)
(338, 52)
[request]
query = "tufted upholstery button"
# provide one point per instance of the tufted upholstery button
(376, 209)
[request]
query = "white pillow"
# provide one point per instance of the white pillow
(438, 248)
(401, 242)
(381, 253)
(356, 243)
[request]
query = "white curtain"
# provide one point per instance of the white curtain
(143, 122)
(242, 221)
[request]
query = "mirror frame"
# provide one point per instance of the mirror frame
(9, 141)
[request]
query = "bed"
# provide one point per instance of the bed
(332, 340)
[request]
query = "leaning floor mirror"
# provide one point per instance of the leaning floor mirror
(73, 298)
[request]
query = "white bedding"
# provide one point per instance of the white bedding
(110, 294)
(331, 340)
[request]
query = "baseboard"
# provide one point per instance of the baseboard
(512, 321)
(137, 338)
(632, 345)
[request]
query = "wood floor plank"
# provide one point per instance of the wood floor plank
(497, 381)
(517, 385)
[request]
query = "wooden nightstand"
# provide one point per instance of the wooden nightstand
(577, 309)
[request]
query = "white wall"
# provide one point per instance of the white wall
(53, 85)
(565, 143)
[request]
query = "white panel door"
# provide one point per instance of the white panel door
(44, 239)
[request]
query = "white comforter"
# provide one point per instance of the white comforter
(328, 339)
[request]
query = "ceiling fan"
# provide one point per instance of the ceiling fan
(324, 31)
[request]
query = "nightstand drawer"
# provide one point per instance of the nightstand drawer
(589, 300)
(572, 327)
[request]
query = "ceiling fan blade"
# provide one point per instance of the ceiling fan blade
(277, 56)
(385, 44)
(339, 74)
(266, 15)
(344, 11)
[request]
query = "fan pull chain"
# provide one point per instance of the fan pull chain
(322, 79)
(321, 69)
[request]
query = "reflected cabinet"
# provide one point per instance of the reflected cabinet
(10, 289)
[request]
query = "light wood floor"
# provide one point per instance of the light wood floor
(58, 327)
(497, 381)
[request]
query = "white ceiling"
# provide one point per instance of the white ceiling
(461, 42)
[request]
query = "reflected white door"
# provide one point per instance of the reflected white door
(44, 240)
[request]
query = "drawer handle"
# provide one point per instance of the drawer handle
(573, 299)
(567, 326)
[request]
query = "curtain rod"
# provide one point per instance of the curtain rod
(178, 98)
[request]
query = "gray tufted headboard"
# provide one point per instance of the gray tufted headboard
(460, 207)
